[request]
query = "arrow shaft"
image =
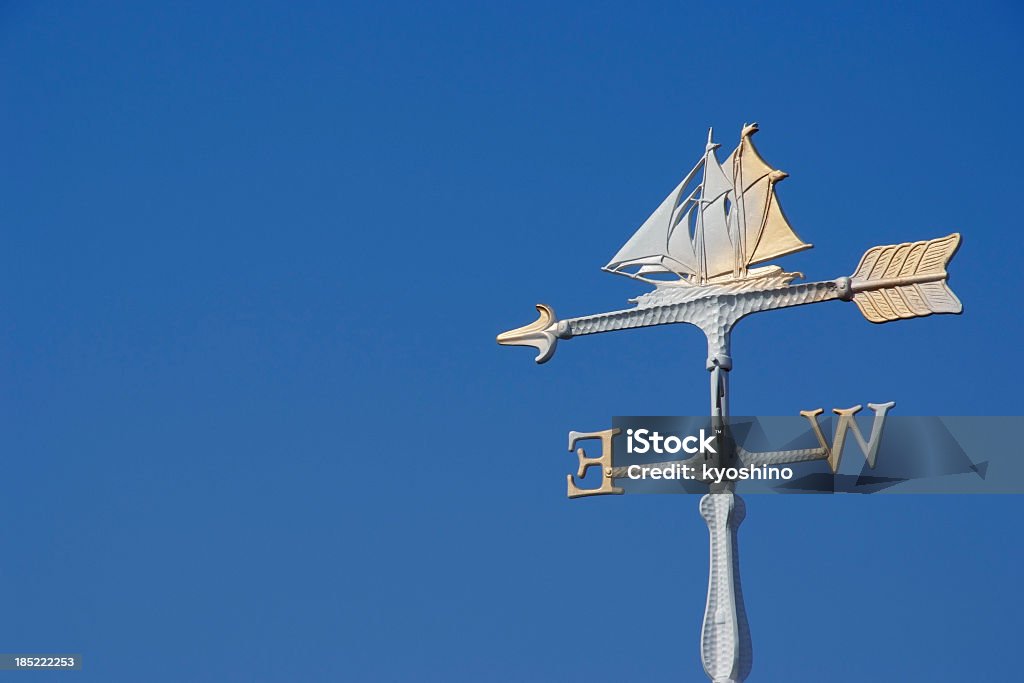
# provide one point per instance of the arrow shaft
(713, 313)
(886, 283)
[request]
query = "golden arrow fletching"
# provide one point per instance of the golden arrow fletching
(899, 281)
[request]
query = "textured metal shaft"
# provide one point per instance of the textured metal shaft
(714, 314)
(725, 647)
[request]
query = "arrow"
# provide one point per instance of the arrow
(892, 282)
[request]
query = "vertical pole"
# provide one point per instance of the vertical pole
(725, 647)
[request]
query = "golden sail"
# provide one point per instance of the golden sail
(759, 228)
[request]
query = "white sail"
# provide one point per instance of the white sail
(680, 244)
(717, 253)
(656, 246)
(757, 221)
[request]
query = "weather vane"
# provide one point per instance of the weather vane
(698, 248)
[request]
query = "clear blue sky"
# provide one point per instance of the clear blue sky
(253, 421)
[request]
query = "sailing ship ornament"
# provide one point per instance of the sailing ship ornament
(716, 231)
(703, 249)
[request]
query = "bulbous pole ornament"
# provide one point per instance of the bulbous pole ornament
(699, 249)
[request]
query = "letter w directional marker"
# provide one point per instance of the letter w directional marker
(847, 422)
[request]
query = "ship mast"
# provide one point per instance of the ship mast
(715, 187)
(700, 237)
(739, 225)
